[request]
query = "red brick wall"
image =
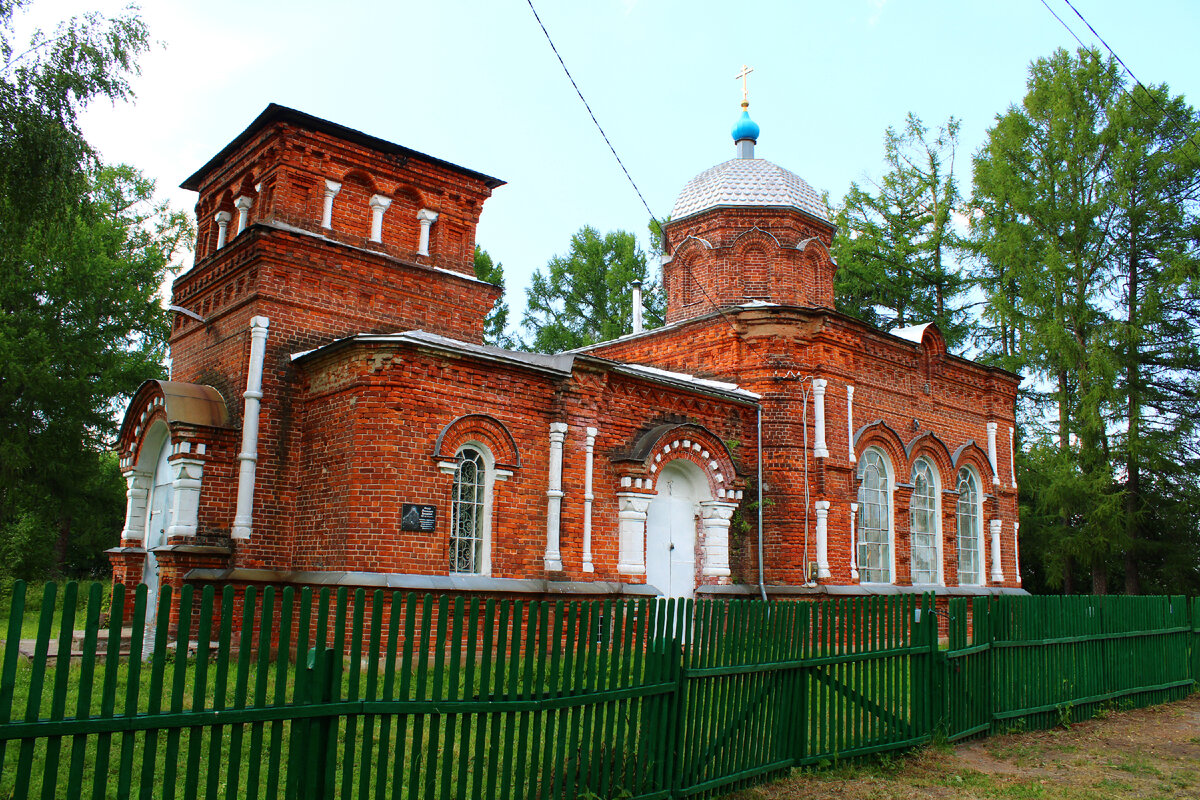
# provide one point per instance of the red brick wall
(371, 416)
(769, 351)
(729, 255)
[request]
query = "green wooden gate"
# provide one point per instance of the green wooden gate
(374, 695)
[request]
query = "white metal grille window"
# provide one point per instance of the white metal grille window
(924, 523)
(467, 517)
(874, 519)
(970, 535)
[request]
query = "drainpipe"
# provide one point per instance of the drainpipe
(762, 586)
(243, 519)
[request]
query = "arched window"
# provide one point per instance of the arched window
(470, 512)
(970, 534)
(925, 544)
(874, 518)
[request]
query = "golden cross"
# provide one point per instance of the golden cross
(745, 71)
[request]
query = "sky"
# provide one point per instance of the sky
(475, 82)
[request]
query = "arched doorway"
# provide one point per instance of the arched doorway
(158, 510)
(671, 529)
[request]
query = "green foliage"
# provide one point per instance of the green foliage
(495, 326)
(585, 296)
(893, 245)
(1085, 232)
(83, 252)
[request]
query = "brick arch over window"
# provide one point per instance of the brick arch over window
(665, 443)
(929, 445)
(975, 456)
(883, 436)
(480, 428)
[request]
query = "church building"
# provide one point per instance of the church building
(334, 418)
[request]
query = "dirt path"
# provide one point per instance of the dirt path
(1147, 753)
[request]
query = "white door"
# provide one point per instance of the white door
(157, 521)
(671, 534)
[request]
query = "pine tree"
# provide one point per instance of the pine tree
(894, 245)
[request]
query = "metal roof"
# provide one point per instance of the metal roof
(748, 182)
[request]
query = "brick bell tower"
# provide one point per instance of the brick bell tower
(747, 230)
(308, 232)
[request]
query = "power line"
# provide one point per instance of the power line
(1153, 97)
(1188, 138)
(600, 128)
(589, 110)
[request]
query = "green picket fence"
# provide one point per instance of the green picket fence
(373, 695)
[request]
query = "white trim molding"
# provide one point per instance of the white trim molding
(853, 543)
(331, 190)
(850, 421)
(991, 434)
(715, 517)
(243, 519)
(632, 508)
(554, 496)
(819, 448)
(426, 217)
(243, 204)
(379, 204)
(588, 497)
(187, 474)
(222, 219)
(822, 509)
(997, 571)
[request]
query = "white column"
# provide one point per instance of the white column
(997, 573)
(853, 544)
(222, 218)
(1017, 549)
(554, 495)
(822, 507)
(991, 429)
(243, 519)
(137, 493)
(331, 190)
(1012, 449)
(426, 218)
(242, 204)
(819, 448)
(714, 517)
(187, 475)
(379, 204)
(631, 528)
(850, 421)
(587, 502)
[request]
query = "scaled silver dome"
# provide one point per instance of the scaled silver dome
(748, 182)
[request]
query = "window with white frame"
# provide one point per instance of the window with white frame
(874, 518)
(470, 512)
(970, 531)
(925, 525)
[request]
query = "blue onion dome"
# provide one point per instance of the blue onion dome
(745, 128)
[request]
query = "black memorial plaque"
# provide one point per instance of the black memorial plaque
(415, 517)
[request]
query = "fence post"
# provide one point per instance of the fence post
(314, 741)
(934, 683)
